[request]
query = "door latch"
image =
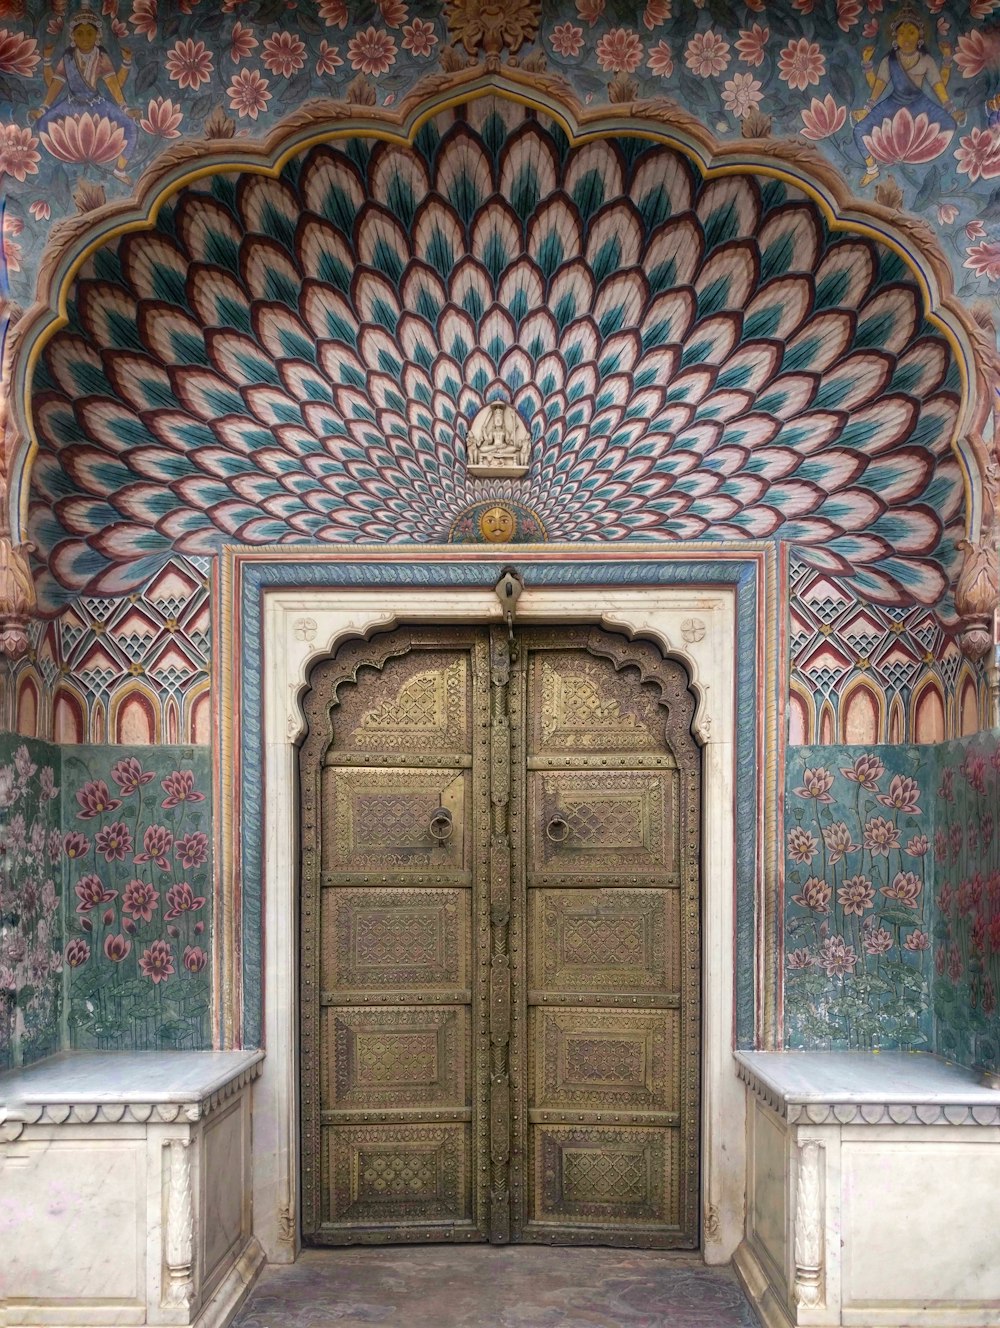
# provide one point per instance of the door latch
(508, 592)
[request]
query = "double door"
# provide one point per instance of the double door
(500, 965)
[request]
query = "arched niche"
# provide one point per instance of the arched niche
(861, 713)
(134, 716)
(927, 707)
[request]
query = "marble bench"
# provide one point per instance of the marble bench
(872, 1187)
(125, 1189)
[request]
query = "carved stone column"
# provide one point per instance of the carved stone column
(809, 1228)
(178, 1240)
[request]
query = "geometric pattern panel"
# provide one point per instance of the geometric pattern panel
(604, 1060)
(841, 641)
(616, 821)
(417, 703)
(380, 819)
(300, 360)
(130, 669)
(374, 1056)
(617, 941)
(586, 707)
(394, 940)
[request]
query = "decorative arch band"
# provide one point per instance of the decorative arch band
(288, 344)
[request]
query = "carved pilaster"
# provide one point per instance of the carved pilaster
(809, 1228)
(178, 1241)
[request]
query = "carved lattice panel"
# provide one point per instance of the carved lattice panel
(582, 705)
(618, 942)
(601, 1176)
(603, 1060)
(418, 703)
(376, 1058)
(397, 1174)
(614, 821)
(383, 820)
(384, 942)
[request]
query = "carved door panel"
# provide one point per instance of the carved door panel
(608, 1101)
(500, 963)
(394, 1038)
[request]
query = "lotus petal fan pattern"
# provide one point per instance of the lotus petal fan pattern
(299, 360)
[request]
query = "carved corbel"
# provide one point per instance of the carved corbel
(17, 597)
(808, 1228)
(976, 595)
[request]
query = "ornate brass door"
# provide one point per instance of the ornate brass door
(500, 963)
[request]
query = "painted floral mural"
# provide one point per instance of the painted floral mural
(30, 899)
(903, 99)
(137, 855)
(858, 866)
(966, 927)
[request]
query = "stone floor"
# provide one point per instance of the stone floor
(481, 1287)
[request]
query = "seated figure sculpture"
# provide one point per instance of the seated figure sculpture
(498, 442)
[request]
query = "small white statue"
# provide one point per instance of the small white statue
(498, 442)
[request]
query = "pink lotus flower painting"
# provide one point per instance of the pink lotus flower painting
(35, 952)
(140, 876)
(858, 828)
(964, 934)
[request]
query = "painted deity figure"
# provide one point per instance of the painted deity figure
(904, 79)
(85, 81)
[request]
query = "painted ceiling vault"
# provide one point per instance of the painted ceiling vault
(300, 359)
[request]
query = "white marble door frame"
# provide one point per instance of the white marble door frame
(695, 626)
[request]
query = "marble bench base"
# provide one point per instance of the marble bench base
(871, 1187)
(125, 1189)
